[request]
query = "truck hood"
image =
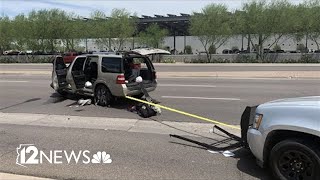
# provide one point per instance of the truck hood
(300, 101)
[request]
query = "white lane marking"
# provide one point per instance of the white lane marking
(235, 78)
(204, 98)
(12, 81)
(186, 85)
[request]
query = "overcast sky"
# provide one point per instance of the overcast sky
(83, 8)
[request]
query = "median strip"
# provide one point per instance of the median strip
(8, 176)
(104, 123)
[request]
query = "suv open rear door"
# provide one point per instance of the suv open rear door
(150, 51)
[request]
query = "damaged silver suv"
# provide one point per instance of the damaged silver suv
(105, 76)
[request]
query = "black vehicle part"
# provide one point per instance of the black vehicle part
(295, 159)
(211, 147)
(61, 72)
(247, 119)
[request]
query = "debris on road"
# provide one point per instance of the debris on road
(224, 153)
(83, 102)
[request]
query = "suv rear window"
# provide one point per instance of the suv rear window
(111, 64)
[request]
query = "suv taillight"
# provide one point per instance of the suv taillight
(121, 79)
(154, 75)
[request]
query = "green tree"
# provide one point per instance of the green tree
(153, 36)
(20, 32)
(100, 29)
(267, 22)
(212, 27)
(276, 48)
(301, 27)
(122, 27)
(56, 28)
(6, 36)
(314, 18)
(74, 28)
(38, 21)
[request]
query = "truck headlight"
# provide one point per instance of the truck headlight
(257, 121)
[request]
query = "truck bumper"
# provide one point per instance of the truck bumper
(252, 137)
(256, 142)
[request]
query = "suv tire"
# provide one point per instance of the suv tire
(103, 96)
(295, 159)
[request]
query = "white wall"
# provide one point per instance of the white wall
(286, 43)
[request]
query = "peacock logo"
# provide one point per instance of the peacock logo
(101, 157)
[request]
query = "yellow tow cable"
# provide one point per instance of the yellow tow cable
(184, 113)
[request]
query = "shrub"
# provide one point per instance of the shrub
(167, 48)
(302, 48)
(246, 59)
(169, 60)
(31, 59)
(276, 48)
(188, 49)
(212, 49)
(235, 49)
(306, 58)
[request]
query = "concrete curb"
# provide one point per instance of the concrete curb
(8, 176)
(120, 124)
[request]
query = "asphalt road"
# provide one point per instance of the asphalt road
(134, 156)
(138, 155)
(220, 99)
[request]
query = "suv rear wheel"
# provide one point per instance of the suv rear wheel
(103, 96)
(295, 159)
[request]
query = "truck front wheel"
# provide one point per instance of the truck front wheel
(295, 159)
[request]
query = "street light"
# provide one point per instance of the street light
(86, 20)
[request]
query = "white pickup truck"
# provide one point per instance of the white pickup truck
(285, 135)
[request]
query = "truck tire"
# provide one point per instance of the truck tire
(295, 159)
(103, 96)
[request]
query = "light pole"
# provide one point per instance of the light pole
(86, 20)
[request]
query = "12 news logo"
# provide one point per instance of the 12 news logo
(28, 154)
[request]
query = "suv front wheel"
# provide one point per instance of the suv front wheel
(103, 96)
(295, 159)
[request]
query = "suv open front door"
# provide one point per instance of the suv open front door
(59, 74)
